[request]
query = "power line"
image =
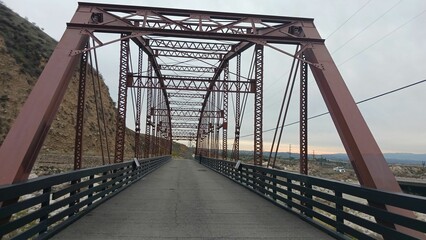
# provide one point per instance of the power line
(366, 27)
(359, 102)
(382, 38)
(347, 20)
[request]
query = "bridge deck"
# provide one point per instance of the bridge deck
(184, 200)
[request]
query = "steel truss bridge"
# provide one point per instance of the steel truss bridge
(189, 63)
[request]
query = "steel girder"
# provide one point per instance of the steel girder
(177, 119)
(180, 132)
(225, 114)
(78, 149)
(138, 109)
(189, 104)
(364, 153)
(185, 95)
(195, 84)
(184, 125)
(33, 122)
(303, 117)
(188, 77)
(187, 54)
(185, 45)
(122, 100)
(236, 147)
(188, 68)
(186, 113)
(240, 27)
(148, 124)
(258, 106)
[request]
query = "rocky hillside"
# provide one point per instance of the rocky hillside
(24, 50)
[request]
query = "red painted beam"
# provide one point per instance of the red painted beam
(25, 139)
(364, 153)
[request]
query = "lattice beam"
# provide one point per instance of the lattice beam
(225, 113)
(179, 83)
(78, 147)
(236, 147)
(186, 113)
(192, 45)
(148, 124)
(187, 54)
(258, 106)
(122, 100)
(188, 68)
(303, 118)
(138, 148)
(185, 95)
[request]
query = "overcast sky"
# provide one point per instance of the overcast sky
(377, 45)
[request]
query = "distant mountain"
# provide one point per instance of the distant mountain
(394, 158)
(24, 51)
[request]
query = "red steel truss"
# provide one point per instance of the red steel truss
(78, 149)
(225, 113)
(163, 33)
(122, 100)
(148, 113)
(236, 146)
(138, 144)
(258, 106)
(194, 84)
(303, 118)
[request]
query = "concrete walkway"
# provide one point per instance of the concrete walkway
(185, 200)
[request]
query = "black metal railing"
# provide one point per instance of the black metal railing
(48, 204)
(343, 210)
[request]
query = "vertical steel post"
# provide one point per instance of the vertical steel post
(148, 111)
(217, 126)
(225, 113)
(39, 110)
(303, 117)
(122, 99)
(154, 124)
(78, 146)
(138, 107)
(236, 153)
(258, 106)
(212, 125)
(363, 151)
(158, 122)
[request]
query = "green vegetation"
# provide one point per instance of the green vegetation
(26, 42)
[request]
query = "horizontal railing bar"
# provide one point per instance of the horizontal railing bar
(8, 210)
(382, 214)
(80, 185)
(84, 195)
(314, 197)
(355, 234)
(378, 228)
(36, 184)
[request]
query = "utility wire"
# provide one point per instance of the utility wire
(347, 20)
(366, 27)
(359, 102)
(382, 38)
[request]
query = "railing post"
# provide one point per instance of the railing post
(289, 190)
(339, 211)
(90, 186)
(309, 196)
(44, 205)
(274, 183)
(72, 194)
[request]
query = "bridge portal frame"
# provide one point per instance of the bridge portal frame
(247, 30)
